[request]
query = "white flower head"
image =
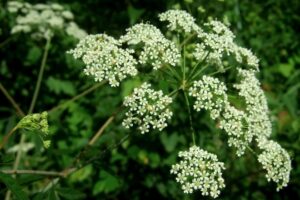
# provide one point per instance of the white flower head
(147, 108)
(233, 123)
(104, 59)
(156, 49)
(210, 94)
(217, 43)
(199, 170)
(42, 20)
(179, 20)
(257, 110)
(276, 161)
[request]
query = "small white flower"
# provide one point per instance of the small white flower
(104, 59)
(199, 170)
(148, 109)
(257, 110)
(179, 20)
(210, 94)
(276, 161)
(156, 49)
(218, 43)
(73, 29)
(43, 19)
(232, 123)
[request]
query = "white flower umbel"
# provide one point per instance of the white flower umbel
(276, 161)
(42, 20)
(233, 123)
(257, 110)
(217, 43)
(156, 49)
(147, 108)
(75, 31)
(104, 59)
(210, 94)
(199, 170)
(179, 20)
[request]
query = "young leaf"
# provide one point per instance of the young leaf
(13, 186)
(69, 193)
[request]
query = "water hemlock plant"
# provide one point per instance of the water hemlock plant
(196, 59)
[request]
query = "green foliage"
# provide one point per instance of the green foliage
(107, 183)
(60, 86)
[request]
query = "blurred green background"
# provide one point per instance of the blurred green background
(139, 167)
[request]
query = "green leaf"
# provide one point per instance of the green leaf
(40, 196)
(81, 174)
(170, 141)
(60, 86)
(51, 194)
(13, 186)
(108, 183)
(73, 63)
(69, 193)
(33, 55)
(28, 179)
(134, 14)
(129, 85)
(47, 195)
(286, 69)
(154, 160)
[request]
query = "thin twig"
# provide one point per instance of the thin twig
(12, 101)
(100, 131)
(94, 87)
(92, 140)
(2, 44)
(36, 172)
(7, 136)
(107, 149)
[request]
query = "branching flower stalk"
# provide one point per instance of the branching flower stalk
(202, 56)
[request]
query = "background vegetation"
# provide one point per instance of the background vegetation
(123, 164)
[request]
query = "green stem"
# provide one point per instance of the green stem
(190, 116)
(174, 92)
(183, 72)
(219, 71)
(40, 76)
(199, 63)
(251, 150)
(188, 39)
(199, 72)
(173, 73)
